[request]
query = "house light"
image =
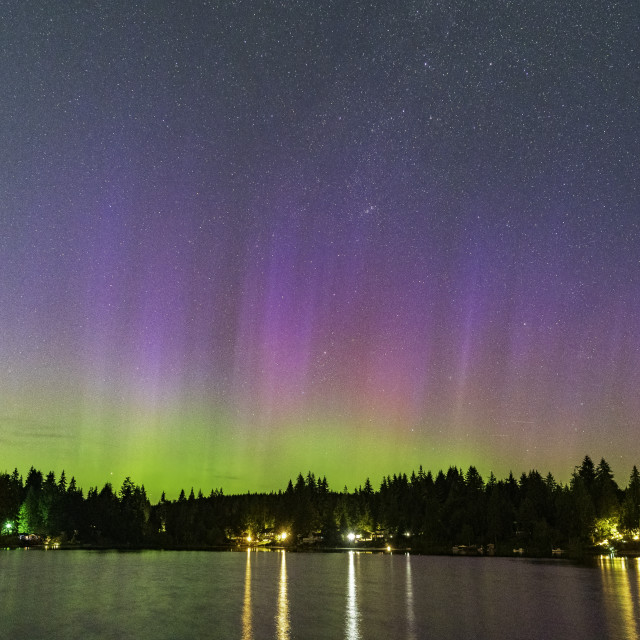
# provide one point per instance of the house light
(351, 537)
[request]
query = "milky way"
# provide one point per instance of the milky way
(241, 240)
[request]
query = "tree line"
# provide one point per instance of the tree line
(426, 512)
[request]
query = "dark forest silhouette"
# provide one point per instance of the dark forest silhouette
(424, 512)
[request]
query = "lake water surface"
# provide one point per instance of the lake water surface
(256, 594)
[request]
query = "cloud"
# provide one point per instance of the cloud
(13, 428)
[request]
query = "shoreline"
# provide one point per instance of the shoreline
(587, 553)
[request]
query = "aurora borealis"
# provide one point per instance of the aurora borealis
(240, 240)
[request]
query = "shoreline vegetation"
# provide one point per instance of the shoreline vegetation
(449, 513)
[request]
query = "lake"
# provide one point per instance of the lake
(284, 595)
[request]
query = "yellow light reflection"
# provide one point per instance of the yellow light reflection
(622, 606)
(247, 623)
(352, 631)
(283, 624)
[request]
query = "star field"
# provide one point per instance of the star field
(244, 239)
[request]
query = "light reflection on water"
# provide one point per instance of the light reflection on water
(258, 595)
(247, 631)
(352, 631)
(411, 616)
(283, 623)
(621, 587)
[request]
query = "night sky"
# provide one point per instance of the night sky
(240, 240)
